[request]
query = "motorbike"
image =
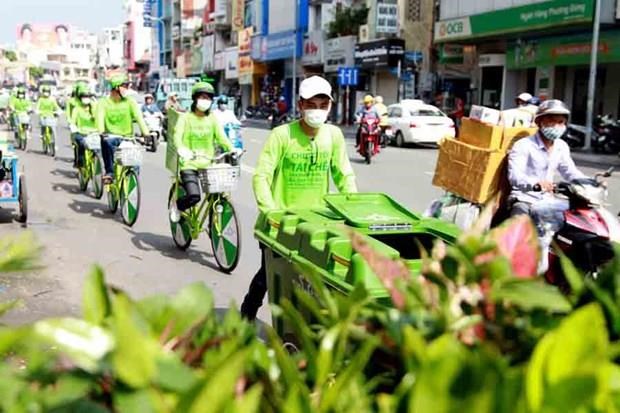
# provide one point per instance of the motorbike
(369, 138)
(605, 135)
(257, 112)
(587, 231)
(279, 119)
(154, 123)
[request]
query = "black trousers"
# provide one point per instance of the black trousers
(256, 293)
(189, 180)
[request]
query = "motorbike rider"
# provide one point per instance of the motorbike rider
(367, 110)
(224, 115)
(280, 111)
(47, 106)
(173, 103)
(532, 165)
(115, 116)
(295, 165)
(21, 104)
(196, 133)
(383, 114)
(83, 121)
(149, 106)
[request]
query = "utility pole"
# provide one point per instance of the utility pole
(294, 88)
(592, 80)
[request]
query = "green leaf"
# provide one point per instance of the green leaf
(173, 375)
(96, 302)
(84, 343)
(66, 390)
(19, 253)
(250, 402)
(7, 306)
(191, 305)
(218, 390)
(530, 294)
(135, 354)
(141, 401)
(574, 278)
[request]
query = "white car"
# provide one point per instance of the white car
(413, 121)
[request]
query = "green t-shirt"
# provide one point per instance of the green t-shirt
(84, 118)
(293, 170)
(200, 134)
(117, 118)
(47, 107)
(21, 105)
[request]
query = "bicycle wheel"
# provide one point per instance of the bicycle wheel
(83, 178)
(225, 235)
(96, 174)
(52, 144)
(112, 198)
(130, 198)
(181, 231)
(23, 200)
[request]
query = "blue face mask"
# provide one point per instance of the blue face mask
(553, 132)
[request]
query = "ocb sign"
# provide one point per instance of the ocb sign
(455, 28)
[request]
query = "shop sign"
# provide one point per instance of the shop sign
(238, 11)
(280, 45)
(339, 52)
(245, 40)
(387, 17)
(256, 51)
(232, 62)
(381, 53)
(536, 16)
(451, 54)
(489, 60)
(208, 49)
(313, 48)
(563, 51)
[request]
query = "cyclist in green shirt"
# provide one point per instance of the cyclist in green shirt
(83, 121)
(295, 166)
(21, 104)
(47, 106)
(116, 115)
(196, 135)
(73, 101)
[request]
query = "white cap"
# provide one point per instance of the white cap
(313, 86)
(526, 97)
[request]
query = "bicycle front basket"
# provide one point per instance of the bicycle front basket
(93, 142)
(48, 121)
(219, 178)
(129, 155)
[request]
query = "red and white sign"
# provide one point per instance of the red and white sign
(313, 48)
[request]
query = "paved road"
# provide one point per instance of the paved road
(76, 231)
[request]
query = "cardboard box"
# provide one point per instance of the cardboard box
(511, 135)
(484, 114)
(472, 173)
(480, 134)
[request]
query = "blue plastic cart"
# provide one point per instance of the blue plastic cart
(13, 183)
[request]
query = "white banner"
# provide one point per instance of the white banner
(232, 63)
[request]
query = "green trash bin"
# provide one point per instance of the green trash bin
(318, 240)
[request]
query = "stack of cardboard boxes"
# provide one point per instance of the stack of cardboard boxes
(473, 166)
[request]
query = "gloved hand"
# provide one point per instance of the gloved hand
(185, 154)
(73, 128)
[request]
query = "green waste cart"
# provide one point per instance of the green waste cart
(318, 239)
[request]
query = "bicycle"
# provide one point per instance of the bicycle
(216, 182)
(91, 169)
(23, 130)
(125, 186)
(48, 136)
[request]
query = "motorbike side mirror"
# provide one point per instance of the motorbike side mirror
(605, 174)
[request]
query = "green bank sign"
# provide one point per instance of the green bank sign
(516, 19)
(564, 51)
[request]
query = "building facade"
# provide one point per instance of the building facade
(491, 50)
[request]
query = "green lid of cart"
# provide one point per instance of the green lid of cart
(375, 212)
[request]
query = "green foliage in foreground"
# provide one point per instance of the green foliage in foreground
(475, 333)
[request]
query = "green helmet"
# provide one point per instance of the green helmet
(118, 80)
(202, 87)
(82, 90)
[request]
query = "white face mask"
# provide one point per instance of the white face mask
(203, 105)
(315, 117)
(553, 132)
(124, 92)
(86, 101)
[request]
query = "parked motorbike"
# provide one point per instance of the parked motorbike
(154, 123)
(279, 119)
(257, 112)
(369, 138)
(587, 231)
(605, 135)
